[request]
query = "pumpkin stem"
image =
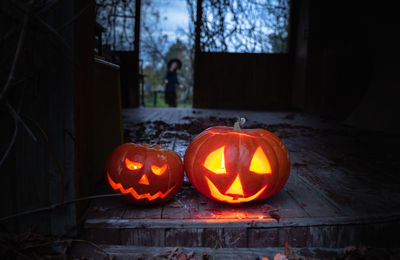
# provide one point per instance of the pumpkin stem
(239, 123)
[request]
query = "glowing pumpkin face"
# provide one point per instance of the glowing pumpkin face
(147, 174)
(237, 165)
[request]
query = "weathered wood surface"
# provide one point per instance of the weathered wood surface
(334, 197)
(39, 168)
(142, 252)
(242, 80)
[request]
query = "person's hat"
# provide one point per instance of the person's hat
(174, 60)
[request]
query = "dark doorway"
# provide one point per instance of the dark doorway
(165, 36)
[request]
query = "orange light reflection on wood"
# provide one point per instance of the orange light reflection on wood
(234, 216)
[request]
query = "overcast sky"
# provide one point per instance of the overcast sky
(176, 13)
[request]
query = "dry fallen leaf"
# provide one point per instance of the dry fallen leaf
(190, 254)
(275, 216)
(303, 205)
(205, 256)
(280, 257)
(215, 211)
(174, 205)
(182, 257)
(172, 253)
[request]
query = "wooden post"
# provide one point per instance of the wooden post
(197, 47)
(136, 51)
(84, 75)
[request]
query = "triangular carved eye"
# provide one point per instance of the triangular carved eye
(215, 161)
(133, 165)
(260, 163)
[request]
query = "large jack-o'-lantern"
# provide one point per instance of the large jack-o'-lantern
(147, 174)
(237, 165)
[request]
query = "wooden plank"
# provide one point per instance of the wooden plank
(143, 237)
(183, 206)
(235, 237)
(81, 251)
(319, 178)
(357, 181)
(263, 237)
(184, 237)
(213, 237)
(177, 116)
(323, 236)
(348, 197)
(116, 223)
(143, 212)
(285, 204)
(309, 198)
(153, 114)
(239, 223)
(349, 235)
(295, 236)
(106, 208)
(104, 236)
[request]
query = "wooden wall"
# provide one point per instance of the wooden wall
(299, 43)
(335, 47)
(129, 83)
(39, 171)
(83, 110)
(107, 117)
(73, 110)
(242, 80)
(378, 107)
(98, 117)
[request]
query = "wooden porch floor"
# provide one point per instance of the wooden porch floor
(343, 188)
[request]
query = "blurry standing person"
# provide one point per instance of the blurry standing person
(171, 82)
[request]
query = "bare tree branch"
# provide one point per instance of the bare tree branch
(57, 205)
(17, 56)
(13, 138)
(243, 25)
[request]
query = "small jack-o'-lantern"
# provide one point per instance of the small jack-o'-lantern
(147, 174)
(237, 165)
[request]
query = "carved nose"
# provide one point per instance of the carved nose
(144, 180)
(236, 187)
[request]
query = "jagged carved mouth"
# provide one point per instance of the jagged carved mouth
(132, 191)
(228, 198)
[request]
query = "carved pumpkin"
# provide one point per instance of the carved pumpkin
(148, 174)
(237, 165)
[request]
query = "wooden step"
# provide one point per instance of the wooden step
(340, 192)
(85, 251)
(252, 225)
